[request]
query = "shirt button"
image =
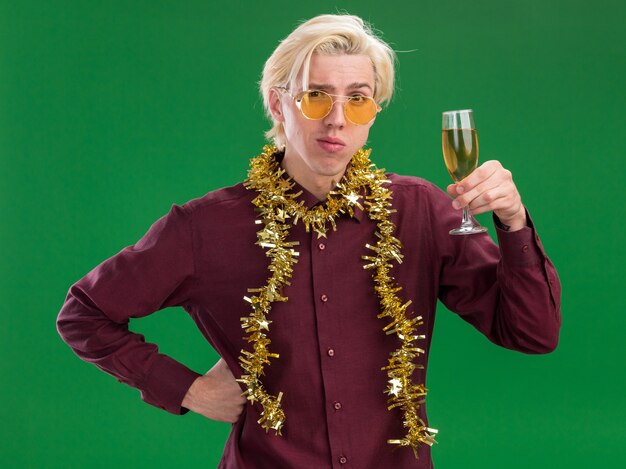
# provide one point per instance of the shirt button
(331, 352)
(525, 248)
(321, 246)
(337, 405)
(324, 298)
(343, 460)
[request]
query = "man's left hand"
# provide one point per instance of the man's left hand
(490, 187)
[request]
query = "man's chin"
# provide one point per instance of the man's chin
(334, 171)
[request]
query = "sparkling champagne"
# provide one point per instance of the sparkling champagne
(460, 151)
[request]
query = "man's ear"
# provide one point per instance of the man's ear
(276, 108)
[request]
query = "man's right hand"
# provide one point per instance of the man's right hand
(216, 395)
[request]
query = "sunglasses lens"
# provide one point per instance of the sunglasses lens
(361, 110)
(316, 104)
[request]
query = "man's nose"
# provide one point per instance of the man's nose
(337, 116)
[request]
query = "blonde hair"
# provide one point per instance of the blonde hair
(328, 35)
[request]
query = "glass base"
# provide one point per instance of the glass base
(468, 229)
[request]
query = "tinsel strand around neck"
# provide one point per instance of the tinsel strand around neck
(278, 209)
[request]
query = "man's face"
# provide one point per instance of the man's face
(318, 150)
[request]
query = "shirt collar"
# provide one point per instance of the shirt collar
(311, 201)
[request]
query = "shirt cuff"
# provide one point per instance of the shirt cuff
(167, 384)
(519, 248)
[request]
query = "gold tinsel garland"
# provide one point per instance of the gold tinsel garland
(278, 209)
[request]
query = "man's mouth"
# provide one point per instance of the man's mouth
(331, 144)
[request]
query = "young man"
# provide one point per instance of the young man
(305, 256)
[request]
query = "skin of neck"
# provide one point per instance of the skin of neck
(317, 184)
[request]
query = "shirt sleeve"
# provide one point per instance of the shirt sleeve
(155, 273)
(510, 292)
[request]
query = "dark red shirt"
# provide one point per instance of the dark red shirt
(202, 256)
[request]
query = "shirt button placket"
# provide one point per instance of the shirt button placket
(322, 285)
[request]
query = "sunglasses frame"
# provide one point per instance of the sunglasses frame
(298, 99)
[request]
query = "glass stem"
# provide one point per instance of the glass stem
(467, 221)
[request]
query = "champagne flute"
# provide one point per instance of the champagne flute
(460, 152)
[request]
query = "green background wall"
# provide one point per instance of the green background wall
(112, 111)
